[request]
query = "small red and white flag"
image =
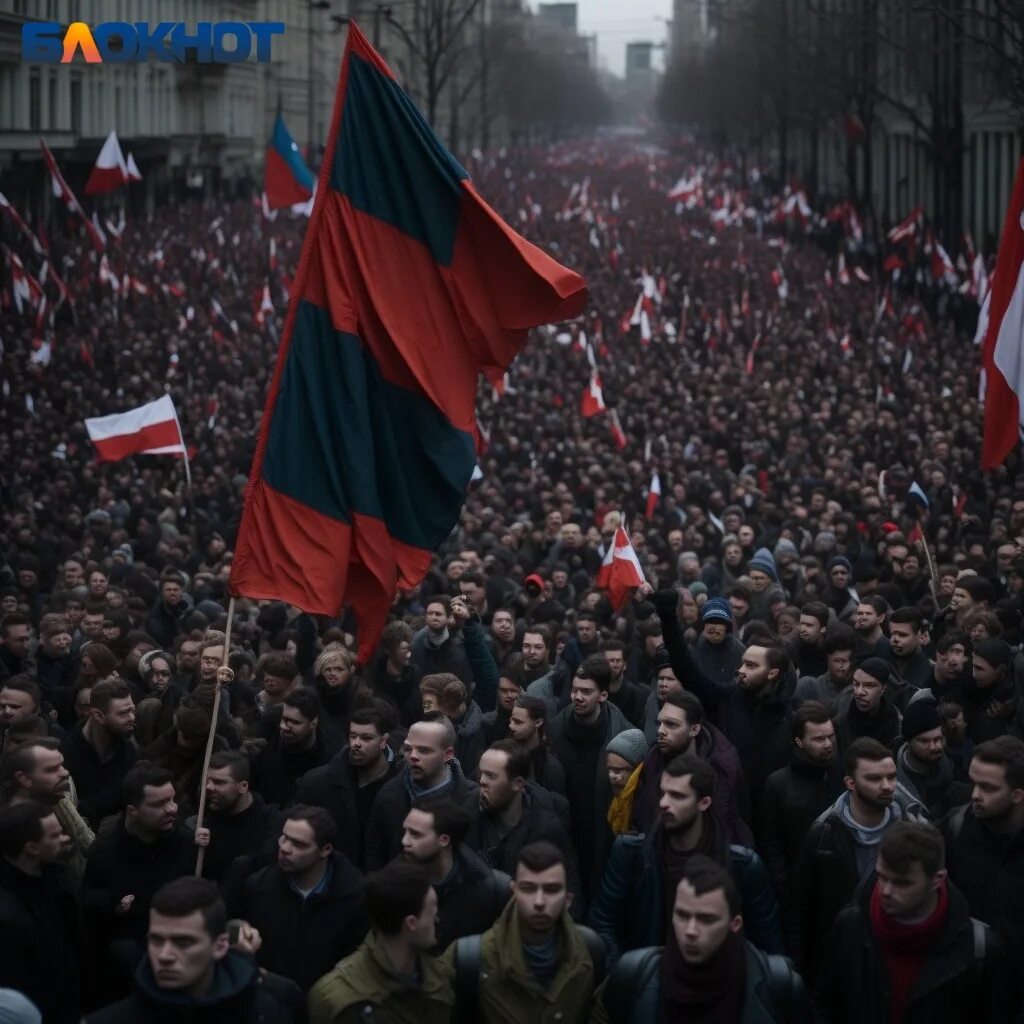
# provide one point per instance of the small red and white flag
(618, 434)
(62, 192)
(592, 401)
(908, 227)
(620, 572)
(263, 304)
(110, 171)
(653, 496)
(151, 429)
(132, 169)
(1002, 354)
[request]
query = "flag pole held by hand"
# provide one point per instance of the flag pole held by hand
(213, 733)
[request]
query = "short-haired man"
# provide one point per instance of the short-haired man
(808, 650)
(503, 637)
(238, 822)
(494, 726)
(534, 963)
(990, 704)
(392, 676)
(579, 735)
(436, 648)
(470, 894)
(912, 668)
(190, 969)
(705, 940)
(682, 728)
(308, 907)
(868, 620)
(164, 622)
(430, 772)
(40, 937)
(795, 795)
(972, 593)
(15, 641)
(907, 948)
(21, 701)
(527, 725)
(869, 713)
(985, 840)
(923, 766)
(392, 972)
(948, 672)
(826, 688)
(631, 910)
(297, 747)
(628, 696)
(99, 751)
(57, 664)
(512, 814)
(839, 850)
(348, 784)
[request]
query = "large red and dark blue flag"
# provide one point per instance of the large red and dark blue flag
(409, 287)
(287, 180)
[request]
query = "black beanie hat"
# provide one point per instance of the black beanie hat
(920, 716)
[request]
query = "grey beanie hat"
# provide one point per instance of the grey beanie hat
(16, 1008)
(630, 745)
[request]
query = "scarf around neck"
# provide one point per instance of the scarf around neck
(709, 993)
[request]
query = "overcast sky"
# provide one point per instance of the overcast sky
(617, 23)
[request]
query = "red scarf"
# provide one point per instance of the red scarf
(905, 947)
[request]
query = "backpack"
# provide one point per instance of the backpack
(469, 956)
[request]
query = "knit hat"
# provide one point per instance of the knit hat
(840, 562)
(920, 716)
(763, 562)
(717, 610)
(996, 652)
(824, 542)
(785, 549)
(689, 556)
(697, 588)
(877, 668)
(630, 745)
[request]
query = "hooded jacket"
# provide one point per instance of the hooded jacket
(239, 995)
(365, 989)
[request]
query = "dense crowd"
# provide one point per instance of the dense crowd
(801, 738)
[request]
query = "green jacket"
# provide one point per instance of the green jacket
(509, 991)
(364, 988)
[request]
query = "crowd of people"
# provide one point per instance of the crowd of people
(785, 780)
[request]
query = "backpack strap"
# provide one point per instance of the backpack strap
(628, 978)
(956, 821)
(784, 986)
(980, 934)
(468, 956)
(595, 947)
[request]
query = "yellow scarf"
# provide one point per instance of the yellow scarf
(620, 811)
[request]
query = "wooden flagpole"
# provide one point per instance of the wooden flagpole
(210, 739)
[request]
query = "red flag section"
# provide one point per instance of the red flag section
(620, 572)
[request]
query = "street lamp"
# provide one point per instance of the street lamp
(314, 5)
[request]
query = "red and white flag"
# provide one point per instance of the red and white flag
(151, 429)
(62, 192)
(653, 496)
(1002, 354)
(908, 227)
(592, 401)
(132, 169)
(620, 572)
(618, 434)
(110, 171)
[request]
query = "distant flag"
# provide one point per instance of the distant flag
(618, 434)
(286, 178)
(620, 573)
(263, 304)
(592, 401)
(134, 174)
(110, 171)
(6, 207)
(916, 494)
(150, 429)
(366, 443)
(62, 192)
(908, 227)
(1002, 352)
(653, 495)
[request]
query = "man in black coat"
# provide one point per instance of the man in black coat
(296, 748)
(163, 623)
(795, 795)
(99, 752)
(430, 773)
(907, 948)
(627, 695)
(309, 907)
(190, 972)
(511, 815)
(922, 763)
(40, 932)
(869, 712)
(348, 784)
(238, 822)
(470, 895)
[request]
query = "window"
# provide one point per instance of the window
(76, 104)
(51, 102)
(35, 101)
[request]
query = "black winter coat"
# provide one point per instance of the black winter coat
(41, 940)
(279, 767)
(952, 987)
(98, 783)
(304, 939)
(238, 835)
(470, 899)
(384, 829)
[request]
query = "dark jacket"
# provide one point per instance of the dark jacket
(631, 700)
(304, 939)
(914, 673)
(239, 995)
(952, 987)
(883, 725)
(401, 692)
(470, 899)
(483, 667)
(937, 790)
(238, 835)
(119, 865)
(731, 802)
(632, 993)
(495, 726)
(758, 727)
(470, 739)
(447, 656)
(719, 661)
(98, 783)
(279, 767)
(335, 787)
(384, 829)
(163, 624)
(587, 786)
(41, 940)
(629, 911)
(547, 770)
(989, 870)
(793, 798)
